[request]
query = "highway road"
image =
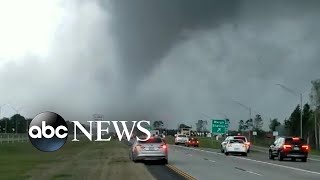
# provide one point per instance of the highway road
(163, 172)
(206, 164)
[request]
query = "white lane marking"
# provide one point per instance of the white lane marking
(253, 173)
(211, 160)
(272, 164)
(278, 165)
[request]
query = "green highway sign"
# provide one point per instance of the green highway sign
(219, 126)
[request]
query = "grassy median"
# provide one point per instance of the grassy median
(76, 160)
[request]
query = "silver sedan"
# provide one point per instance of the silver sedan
(154, 149)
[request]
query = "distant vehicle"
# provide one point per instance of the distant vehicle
(154, 132)
(235, 146)
(289, 147)
(181, 139)
(192, 142)
(154, 149)
(246, 142)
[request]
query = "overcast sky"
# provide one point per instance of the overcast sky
(176, 61)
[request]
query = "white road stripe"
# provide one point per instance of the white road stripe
(254, 173)
(272, 164)
(211, 161)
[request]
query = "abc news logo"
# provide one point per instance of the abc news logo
(48, 131)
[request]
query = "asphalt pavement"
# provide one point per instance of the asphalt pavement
(162, 172)
(206, 164)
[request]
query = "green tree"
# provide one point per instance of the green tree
(274, 123)
(293, 123)
(307, 122)
(158, 124)
(241, 126)
(18, 124)
(249, 124)
(201, 125)
(258, 123)
(3, 122)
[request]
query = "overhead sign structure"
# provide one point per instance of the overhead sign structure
(218, 126)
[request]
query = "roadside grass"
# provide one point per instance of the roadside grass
(76, 160)
(315, 152)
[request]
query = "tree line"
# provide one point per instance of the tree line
(20, 124)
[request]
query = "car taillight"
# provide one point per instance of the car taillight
(244, 145)
(197, 141)
(163, 146)
(305, 147)
(248, 143)
(229, 145)
(189, 141)
(287, 146)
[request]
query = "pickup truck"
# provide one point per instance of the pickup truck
(181, 139)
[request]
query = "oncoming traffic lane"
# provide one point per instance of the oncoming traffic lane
(220, 165)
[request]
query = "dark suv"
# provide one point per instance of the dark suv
(289, 147)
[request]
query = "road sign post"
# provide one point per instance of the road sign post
(218, 126)
(254, 133)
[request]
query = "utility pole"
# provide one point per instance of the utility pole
(315, 128)
(249, 109)
(301, 111)
(252, 123)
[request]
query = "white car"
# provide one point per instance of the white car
(247, 143)
(236, 146)
(181, 139)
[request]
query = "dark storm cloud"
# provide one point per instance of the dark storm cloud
(145, 30)
(191, 57)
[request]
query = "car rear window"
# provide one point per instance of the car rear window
(152, 140)
(294, 141)
(182, 136)
(236, 141)
(242, 138)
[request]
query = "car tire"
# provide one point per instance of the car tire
(226, 153)
(280, 158)
(222, 151)
(271, 156)
(165, 161)
(293, 159)
(304, 159)
(245, 154)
